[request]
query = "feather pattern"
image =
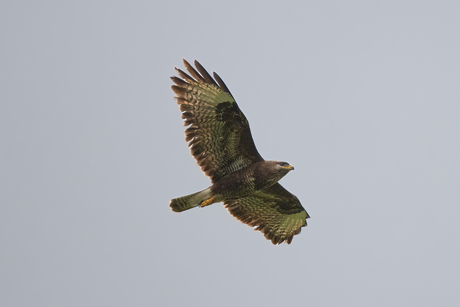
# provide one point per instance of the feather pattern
(218, 132)
(274, 211)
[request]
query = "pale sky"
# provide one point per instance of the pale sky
(362, 97)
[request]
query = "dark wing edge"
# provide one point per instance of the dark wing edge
(274, 211)
(218, 132)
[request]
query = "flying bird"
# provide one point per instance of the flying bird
(220, 140)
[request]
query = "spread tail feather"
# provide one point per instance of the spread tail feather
(190, 201)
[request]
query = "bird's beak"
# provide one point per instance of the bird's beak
(290, 167)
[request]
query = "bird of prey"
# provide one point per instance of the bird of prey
(220, 140)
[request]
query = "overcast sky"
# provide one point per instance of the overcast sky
(362, 97)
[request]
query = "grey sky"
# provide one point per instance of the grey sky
(362, 97)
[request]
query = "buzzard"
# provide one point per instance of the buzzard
(220, 140)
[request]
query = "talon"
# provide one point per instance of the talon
(207, 202)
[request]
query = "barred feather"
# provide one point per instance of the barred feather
(211, 114)
(190, 201)
(273, 211)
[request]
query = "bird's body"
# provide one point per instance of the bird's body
(220, 140)
(244, 182)
(238, 184)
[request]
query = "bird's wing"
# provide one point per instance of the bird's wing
(274, 211)
(218, 132)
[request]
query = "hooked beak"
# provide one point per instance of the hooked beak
(290, 167)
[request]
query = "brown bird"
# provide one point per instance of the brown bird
(220, 140)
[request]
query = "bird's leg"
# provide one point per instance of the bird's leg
(207, 202)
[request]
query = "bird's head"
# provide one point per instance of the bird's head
(269, 172)
(286, 166)
(280, 169)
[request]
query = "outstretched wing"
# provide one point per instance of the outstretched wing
(274, 211)
(218, 133)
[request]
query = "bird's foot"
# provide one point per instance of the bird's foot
(207, 202)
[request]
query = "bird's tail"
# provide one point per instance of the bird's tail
(190, 201)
